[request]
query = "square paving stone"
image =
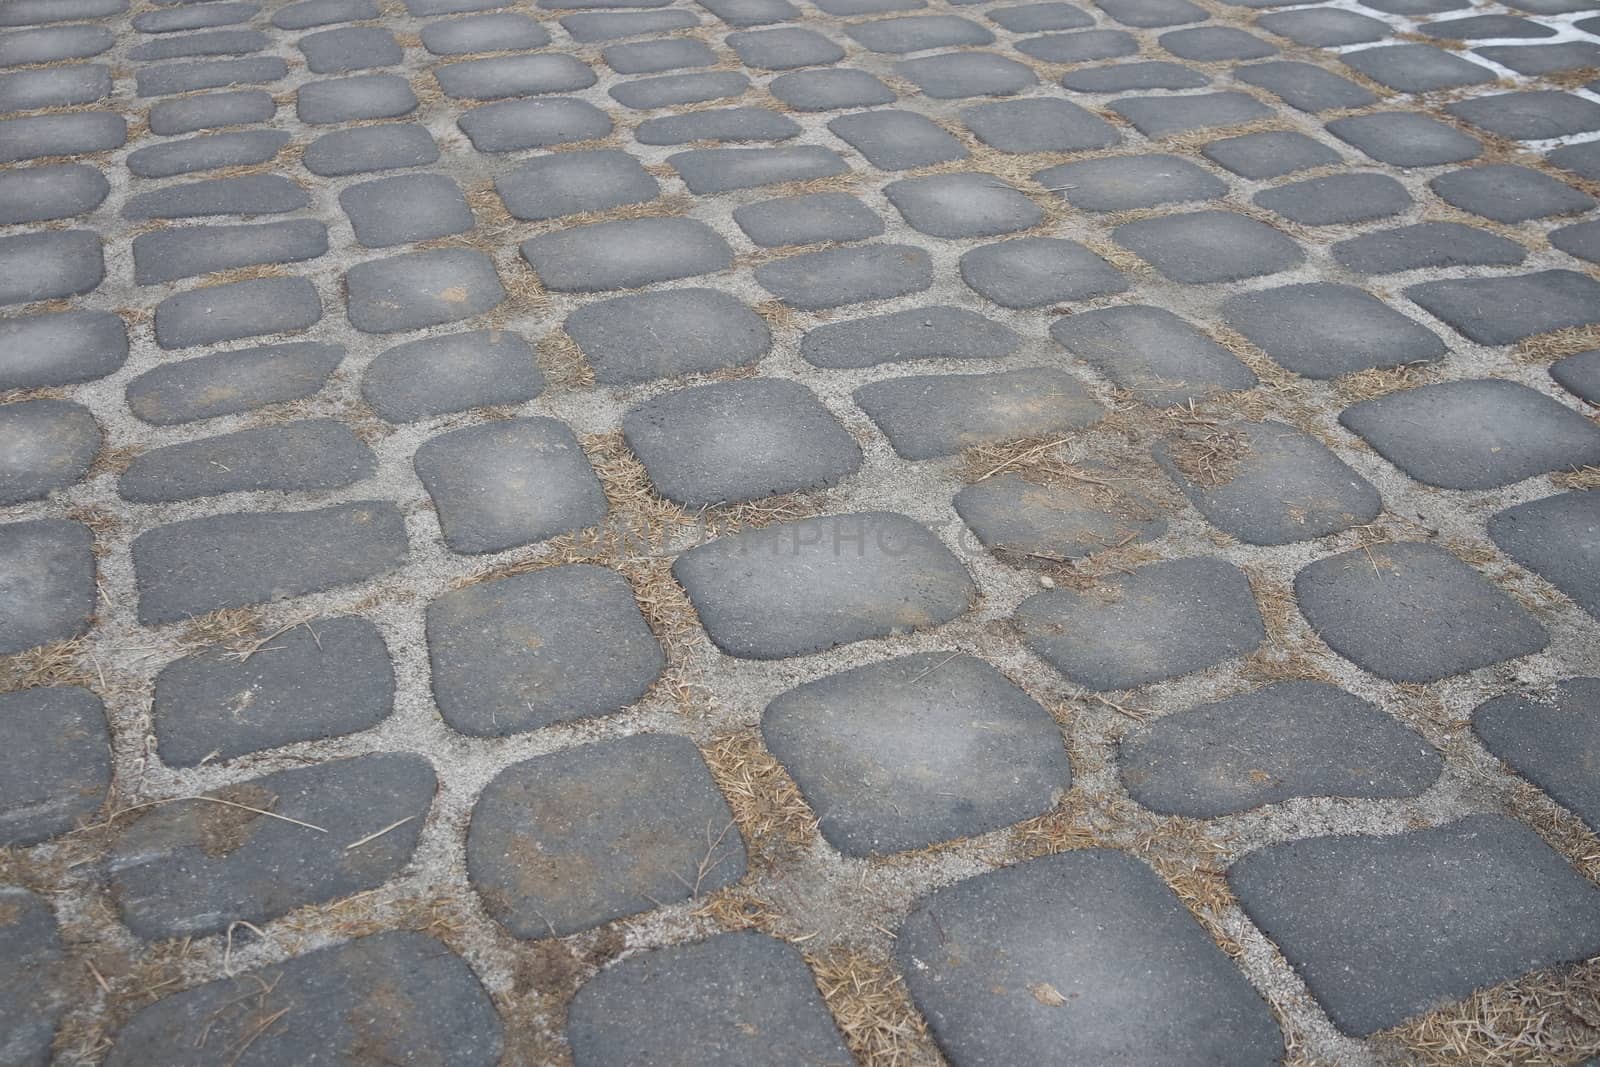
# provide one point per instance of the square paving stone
(652, 57)
(917, 33)
(1080, 47)
(253, 194)
(306, 455)
(1559, 539)
(730, 1000)
(549, 646)
(1412, 612)
(1286, 740)
(362, 96)
(830, 90)
(61, 135)
(455, 372)
(1324, 27)
(186, 251)
(784, 48)
(567, 183)
(647, 336)
(808, 219)
(1416, 68)
(1152, 353)
(1383, 928)
(1266, 483)
(1502, 311)
(504, 31)
(626, 254)
(513, 125)
(195, 566)
(1580, 375)
(1211, 44)
(58, 765)
(507, 483)
(1552, 739)
(1122, 183)
(190, 113)
(386, 992)
(1028, 272)
(45, 445)
(47, 266)
(1405, 139)
(671, 90)
(236, 309)
(918, 333)
(588, 27)
(1305, 86)
(1080, 959)
(1530, 116)
(1161, 621)
(208, 152)
(1474, 434)
(349, 48)
(1038, 125)
(1163, 116)
(308, 13)
(189, 868)
(209, 74)
(954, 75)
(32, 993)
(1581, 240)
(807, 586)
(1323, 330)
(65, 86)
(897, 140)
(389, 146)
(1337, 200)
(928, 416)
(60, 348)
(717, 124)
(411, 207)
(720, 170)
(1152, 14)
(1426, 245)
(1269, 154)
(507, 76)
(418, 289)
(917, 750)
(1121, 77)
(837, 276)
(570, 840)
(736, 441)
(1031, 18)
(963, 205)
(1206, 247)
(323, 678)
(1025, 522)
(230, 382)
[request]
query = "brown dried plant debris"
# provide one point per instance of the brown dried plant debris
(1209, 459)
(767, 805)
(562, 361)
(234, 628)
(1549, 347)
(872, 1008)
(1381, 381)
(59, 663)
(1577, 478)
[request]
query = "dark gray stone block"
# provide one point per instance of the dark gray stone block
(251, 194)
(400, 210)
(1144, 74)
(209, 74)
(928, 416)
(507, 483)
(237, 309)
(1557, 538)
(350, 48)
(190, 113)
(52, 44)
(1324, 27)
(213, 43)
(1426, 245)
(1406, 139)
(46, 266)
(418, 289)
(809, 219)
(1474, 434)
(324, 678)
(1337, 200)
(717, 124)
(307, 13)
(784, 48)
(1529, 116)
(1081, 47)
(1552, 739)
(1541, 59)
(513, 125)
(1038, 125)
(33, 978)
(853, 8)
(671, 90)
(567, 183)
(302, 456)
(589, 27)
(955, 75)
(69, 134)
(1412, 612)
(663, 335)
(66, 86)
(1502, 311)
(563, 842)
(227, 561)
(1032, 18)
(751, 12)
(190, 868)
(1212, 44)
(838, 276)
(195, 17)
(897, 140)
(212, 151)
(1580, 375)
(1122, 183)
(1029, 272)
(1152, 353)
(807, 586)
(361, 96)
(626, 254)
(720, 170)
(652, 57)
(60, 348)
(230, 382)
(1305, 86)
(1205, 247)
(1323, 330)
(937, 332)
(507, 76)
(1484, 27)
(47, 582)
(58, 757)
(737, 441)
(455, 372)
(183, 252)
(963, 205)
(503, 31)
(1152, 14)
(916, 33)
(1025, 522)
(45, 445)
(1416, 68)
(830, 90)
(1269, 154)
(29, 12)
(390, 146)
(1163, 116)
(552, 645)
(1080, 959)
(1383, 928)
(1581, 240)
(1161, 621)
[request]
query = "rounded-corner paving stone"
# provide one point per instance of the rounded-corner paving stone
(58, 766)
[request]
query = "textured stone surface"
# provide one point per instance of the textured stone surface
(1559, 539)
(1426, 244)
(408, 292)
(412, 207)
(1163, 116)
(663, 335)
(1323, 330)
(1406, 139)
(626, 254)
(40, 194)
(236, 309)
(668, 90)
(45, 445)
(60, 348)
(1269, 154)
(1079, 47)
(57, 135)
(897, 140)
(808, 219)
(1027, 522)
(211, 151)
(1580, 374)
(208, 110)
(512, 125)
(1029, 272)
(483, 33)
(253, 194)
(1152, 353)
(1121, 183)
(955, 75)
(1507, 193)
(1417, 68)
(1530, 116)
(1038, 125)
(58, 767)
(826, 90)
(1504, 310)
(1206, 247)
(167, 255)
(920, 333)
(47, 266)
(784, 48)
(963, 205)
(838, 276)
(305, 455)
(505, 76)
(927, 416)
(1338, 199)
(32, 998)
(720, 170)
(47, 582)
(229, 382)
(1551, 738)
(362, 96)
(717, 124)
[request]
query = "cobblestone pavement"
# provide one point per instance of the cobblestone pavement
(799, 531)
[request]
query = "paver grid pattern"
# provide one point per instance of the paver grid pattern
(882, 529)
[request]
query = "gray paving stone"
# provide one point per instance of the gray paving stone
(1426, 245)
(717, 124)
(454, 372)
(928, 416)
(209, 74)
(299, 456)
(717, 170)
(1339, 199)
(784, 48)
(1285, 740)
(166, 255)
(732, 999)
(251, 194)
(195, 566)
(807, 586)
(389, 994)
(1556, 538)
(1474, 434)
(626, 254)
(1580, 375)
(839, 276)
(420, 289)
(589, 27)
(1416, 7)
(553, 645)
(69, 134)
(963, 205)
(1529, 116)
(1029, 272)
(47, 582)
(670, 90)
(1121, 183)
(566, 841)
(58, 769)
(52, 44)
(1406, 139)
(1483, 27)
(917, 33)
(1581, 240)
(1163, 116)
(507, 483)
(60, 348)
(742, 13)
(1305, 86)
(32, 990)
(1032, 18)
(1383, 928)
(897, 140)
(191, 113)
(1146, 74)
(231, 382)
(190, 868)
(1416, 68)
(53, 191)
(349, 48)
(1079, 47)
(361, 96)
(1269, 154)
(78, 83)
(1038, 125)
(808, 219)
(738, 441)
(208, 152)
(1079, 959)
(1024, 522)
(648, 336)
(1274, 485)
(1551, 739)
(513, 125)
(1324, 27)
(237, 309)
(45, 445)
(1502, 311)
(653, 57)
(195, 17)
(955, 75)
(1152, 14)
(567, 183)
(1160, 621)
(400, 210)
(1324, 330)
(210, 43)
(1212, 44)
(938, 332)
(45, 266)
(1544, 58)
(830, 90)
(324, 678)
(853, 8)
(29, 12)
(1152, 353)
(422, 8)
(507, 76)
(917, 750)
(503, 31)
(308, 13)
(367, 148)
(1205, 247)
